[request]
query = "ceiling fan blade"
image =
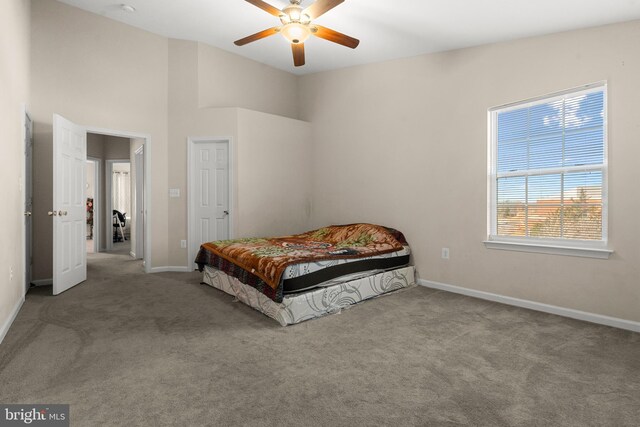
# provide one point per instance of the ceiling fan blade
(257, 36)
(298, 54)
(336, 37)
(320, 7)
(266, 7)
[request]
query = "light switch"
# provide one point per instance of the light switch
(174, 192)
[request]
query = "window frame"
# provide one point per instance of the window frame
(558, 246)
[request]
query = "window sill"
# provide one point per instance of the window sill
(541, 248)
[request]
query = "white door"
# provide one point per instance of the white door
(139, 202)
(69, 204)
(28, 198)
(208, 193)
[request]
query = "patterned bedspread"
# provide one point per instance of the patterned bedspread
(260, 262)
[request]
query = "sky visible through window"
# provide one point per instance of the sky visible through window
(552, 135)
(550, 157)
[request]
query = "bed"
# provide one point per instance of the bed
(300, 277)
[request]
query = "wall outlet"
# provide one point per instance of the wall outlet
(183, 244)
(10, 273)
(445, 253)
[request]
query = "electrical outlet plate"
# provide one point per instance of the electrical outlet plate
(183, 244)
(445, 253)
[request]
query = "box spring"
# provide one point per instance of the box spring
(317, 302)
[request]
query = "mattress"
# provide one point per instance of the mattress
(305, 276)
(303, 306)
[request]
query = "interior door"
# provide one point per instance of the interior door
(208, 193)
(139, 202)
(69, 204)
(28, 199)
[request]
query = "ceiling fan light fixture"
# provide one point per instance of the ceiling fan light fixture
(293, 12)
(296, 32)
(285, 19)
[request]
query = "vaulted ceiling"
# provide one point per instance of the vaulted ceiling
(387, 29)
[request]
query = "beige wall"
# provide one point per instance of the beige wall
(107, 147)
(14, 86)
(274, 175)
(98, 73)
(228, 80)
(404, 143)
(116, 148)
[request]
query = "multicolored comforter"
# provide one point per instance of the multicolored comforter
(260, 262)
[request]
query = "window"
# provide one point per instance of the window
(548, 174)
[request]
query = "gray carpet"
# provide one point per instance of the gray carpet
(129, 349)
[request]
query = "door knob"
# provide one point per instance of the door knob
(27, 213)
(50, 213)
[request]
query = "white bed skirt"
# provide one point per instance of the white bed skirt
(317, 302)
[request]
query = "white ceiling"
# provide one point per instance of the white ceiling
(387, 29)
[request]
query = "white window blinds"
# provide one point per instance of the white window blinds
(548, 168)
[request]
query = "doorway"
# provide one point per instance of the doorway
(121, 185)
(137, 141)
(119, 205)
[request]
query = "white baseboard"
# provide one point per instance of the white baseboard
(532, 305)
(7, 324)
(42, 282)
(170, 269)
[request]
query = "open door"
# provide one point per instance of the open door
(139, 202)
(69, 204)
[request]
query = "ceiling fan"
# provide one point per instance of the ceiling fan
(297, 27)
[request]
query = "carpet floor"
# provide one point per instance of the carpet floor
(132, 349)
